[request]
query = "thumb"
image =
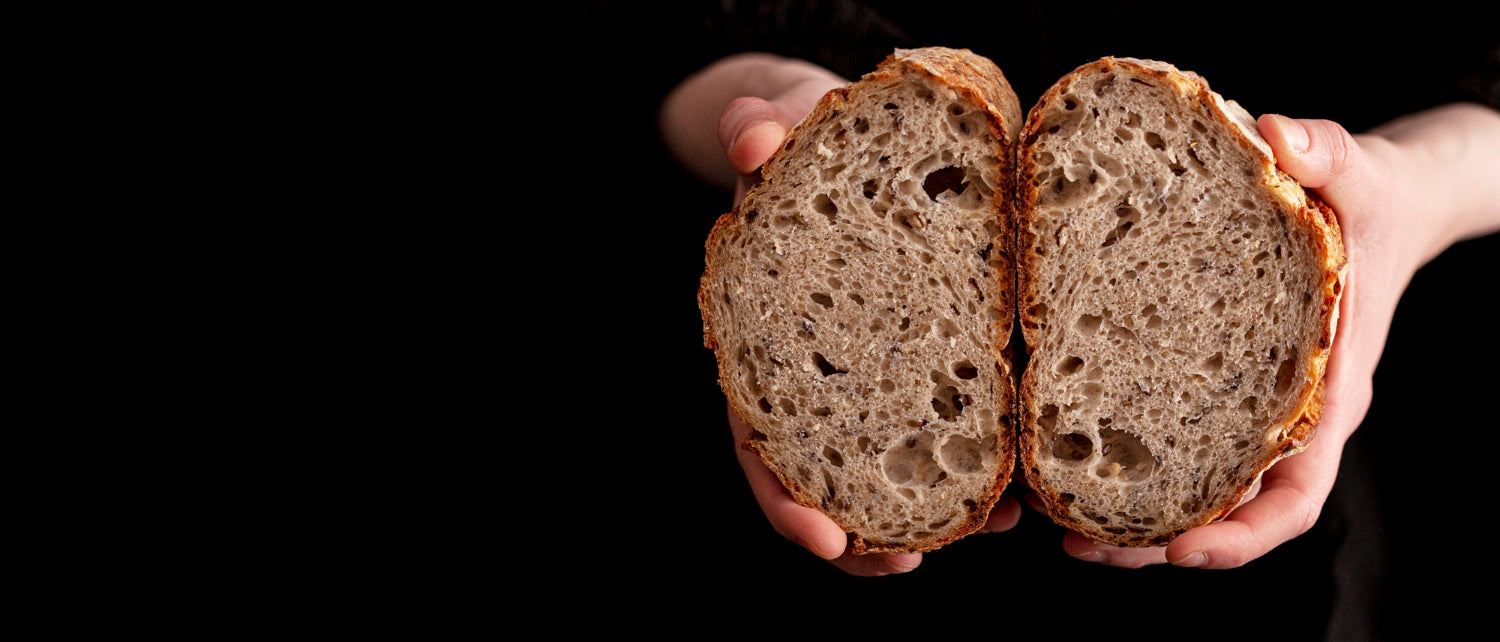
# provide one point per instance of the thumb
(1319, 154)
(750, 129)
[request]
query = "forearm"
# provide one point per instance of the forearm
(1455, 156)
(689, 116)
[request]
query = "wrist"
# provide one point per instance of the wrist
(1428, 225)
(1450, 165)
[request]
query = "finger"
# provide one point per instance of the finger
(1289, 503)
(1088, 550)
(806, 527)
(1003, 517)
(1035, 502)
(1319, 154)
(742, 186)
(880, 564)
(750, 130)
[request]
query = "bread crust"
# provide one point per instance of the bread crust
(1308, 211)
(982, 83)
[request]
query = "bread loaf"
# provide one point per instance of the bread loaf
(1178, 295)
(860, 302)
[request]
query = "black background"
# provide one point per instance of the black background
(526, 254)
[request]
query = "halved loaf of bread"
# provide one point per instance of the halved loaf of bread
(1178, 294)
(860, 300)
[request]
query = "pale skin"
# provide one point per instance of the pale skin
(1403, 192)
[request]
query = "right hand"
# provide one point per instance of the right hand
(750, 131)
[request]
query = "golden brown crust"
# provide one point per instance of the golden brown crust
(973, 77)
(1308, 212)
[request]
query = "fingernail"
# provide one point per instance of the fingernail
(1295, 133)
(1193, 560)
(901, 568)
(1092, 556)
(903, 563)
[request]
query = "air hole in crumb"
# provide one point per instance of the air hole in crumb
(946, 328)
(1155, 141)
(1124, 456)
(1088, 324)
(1069, 366)
(1118, 233)
(948, 402)
(833, 457)
(765, 405)
(965, 370)
(825, 367)
(1072, 447)
(822, 299)
(1048, 419)
(1193, 153)
(944, 180)
(1286, 373)
(825, 206)
(911, 463)
(861, 125)
(966, 455)
(1218, 307)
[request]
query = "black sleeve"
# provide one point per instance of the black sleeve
(1483, 85)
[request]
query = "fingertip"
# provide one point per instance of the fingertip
(810, 529)
(1318, 154)
(1035, 502)
(750, 129)
(1284, 134)
(878, 564)
(754, 146)
(1083, 548)
(1003, 517)
(903, 562)
(1225, 544)
(1194, 559)
(827, 544)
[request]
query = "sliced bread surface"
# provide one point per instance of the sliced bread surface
(860, 301)
(1178, 295)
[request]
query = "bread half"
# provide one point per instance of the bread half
(860, 301)
(1178, 294)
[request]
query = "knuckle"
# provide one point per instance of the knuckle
(1310, 517)
(1341, 147)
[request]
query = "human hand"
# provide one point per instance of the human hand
(751, 129)
(1380, 192)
